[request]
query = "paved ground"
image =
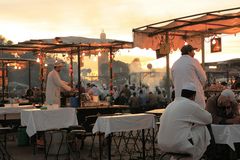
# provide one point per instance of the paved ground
(26, 152)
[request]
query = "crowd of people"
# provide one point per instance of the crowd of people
(140, 99)
(183, 125)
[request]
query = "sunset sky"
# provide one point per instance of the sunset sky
(35, 19)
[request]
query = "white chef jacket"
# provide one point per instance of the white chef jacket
(188, 69)
(54, 85)
(182, 120)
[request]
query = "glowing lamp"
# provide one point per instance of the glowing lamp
(216, 45)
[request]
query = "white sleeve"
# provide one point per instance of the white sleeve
(58, 82)
(200, 115)
(200, 72)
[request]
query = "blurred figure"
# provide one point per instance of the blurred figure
(121, 100)
(126, 92)
(161, 100)
(94, 91)
(152, 101)
(142, 99)
(188, 69)
(236, 84)
(134, 103)
(224, 108)
(88, 87)
(115, 92)
(82, 89)
(29, 94)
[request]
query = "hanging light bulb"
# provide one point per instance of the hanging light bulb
(99, 54)
(214, 41)
(185, 43)
(45, 64)
(15, 67)
(83, 54)
(38, 60)
(19, 67)
(8, 64)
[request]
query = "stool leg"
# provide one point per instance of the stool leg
(162, 156)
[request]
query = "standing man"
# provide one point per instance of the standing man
(183, 125)
(55, 84)
(188, 69)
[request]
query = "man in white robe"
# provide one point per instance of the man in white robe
(188, 69)
(55, 84)
(183, 125)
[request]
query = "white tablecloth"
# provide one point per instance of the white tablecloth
(156, 111)
(120, 123)
(10, 110)
(41, 120)
(226, 134)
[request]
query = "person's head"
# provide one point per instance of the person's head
(225, 102)
(93, 85)
(115, 88)
(58, 65)
(189, 91)
(88, 84)
(188, 50)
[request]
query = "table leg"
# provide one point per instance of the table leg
(143, 143)
(153, 143)
(100, 146)
(33, 143)
(5, 134)
(109, 146)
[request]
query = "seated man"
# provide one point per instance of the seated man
(183, 125)
(224, 108)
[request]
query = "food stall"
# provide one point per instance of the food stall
(172, 34)
(73, 46)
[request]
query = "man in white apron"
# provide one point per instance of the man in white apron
(55, 84)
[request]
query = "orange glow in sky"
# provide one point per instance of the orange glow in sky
(36, 19)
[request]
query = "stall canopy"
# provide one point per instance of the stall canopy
(169, 35)
(71, 45)
(66, 44)
(190, 29)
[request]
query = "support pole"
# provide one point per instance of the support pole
(167, 68)
(111, 74)
(3, 82)
(71, 69)
(203, 52)
(79, 74)
(29, 74)
(41, 75)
